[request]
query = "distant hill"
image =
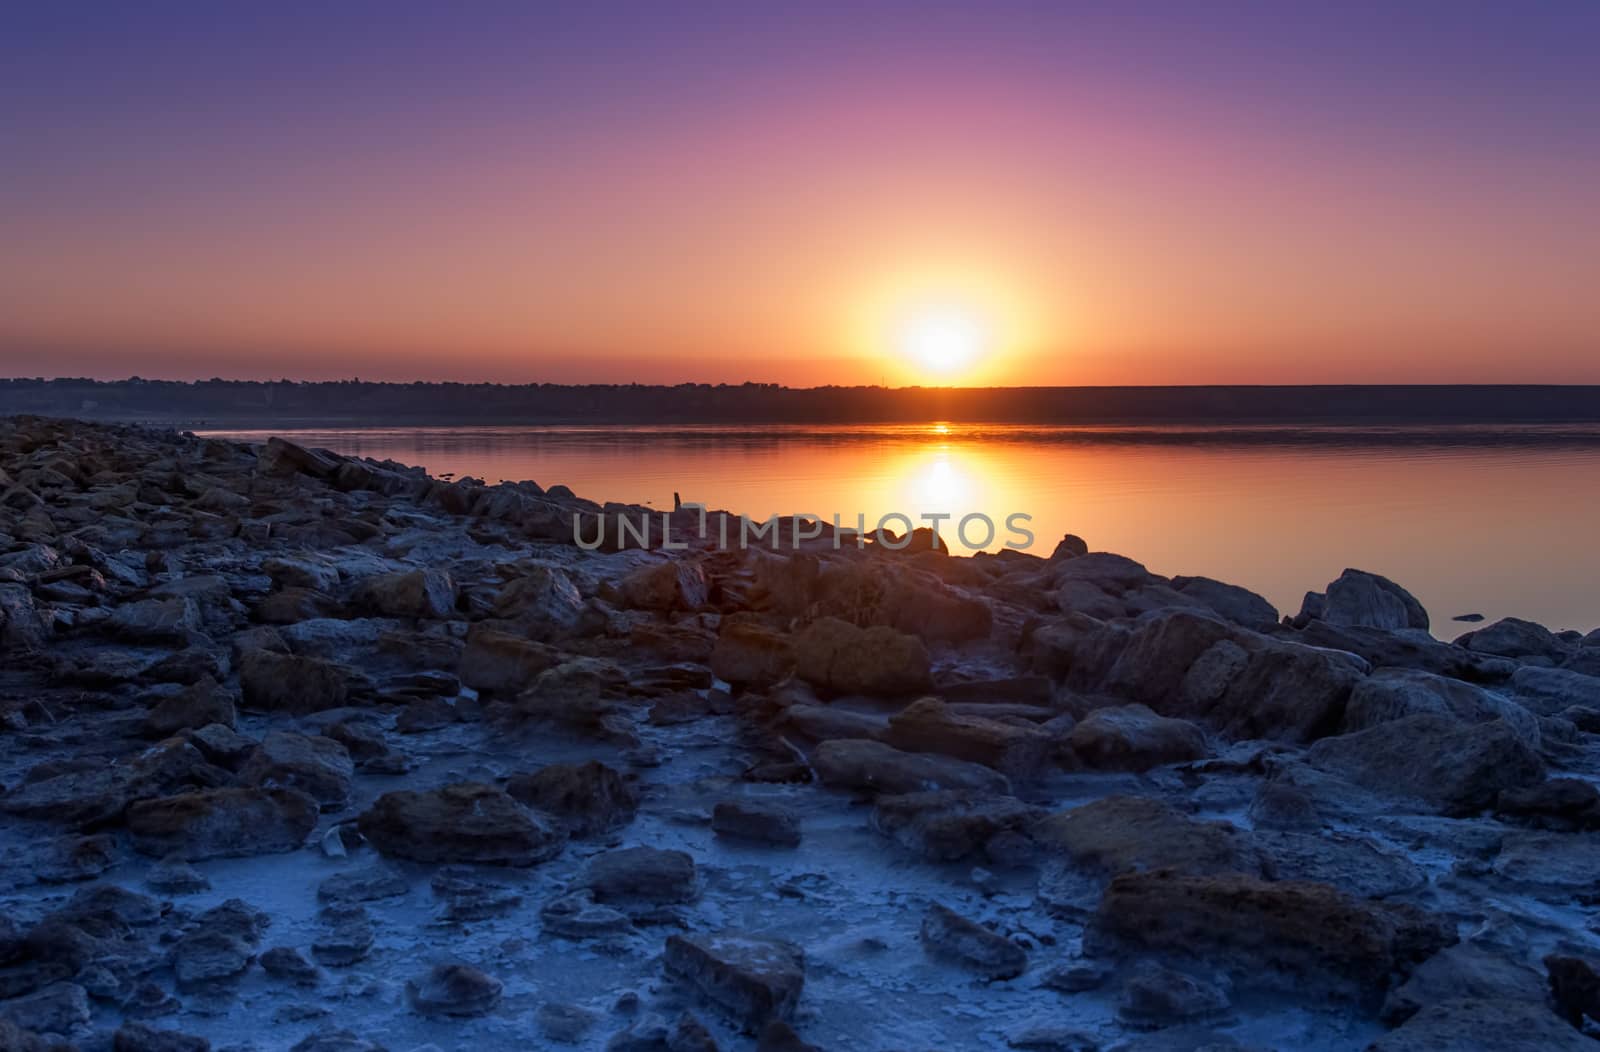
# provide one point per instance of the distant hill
(238, 403)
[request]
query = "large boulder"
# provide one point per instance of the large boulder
(750, 978)
(466, 822)
(1551, 691)
(1367, 600)
(841, 658)
(411, 593)
(1513, 637)
(1453, 766)
(930, 726)
(1229, 601)
(1134, 738)
(870, 766)
(1394, 693)
(1285, 934)
(672, 584)
(222, 823)
(276, 682)
(874, 591)
(750, 653)
(99, 794)
(317, 766)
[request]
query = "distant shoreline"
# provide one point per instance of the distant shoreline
(227, 404)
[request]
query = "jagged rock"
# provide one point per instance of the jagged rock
(1367, 600)
(1284, 805)
(750, 654)
(293, 605)
(174, 876)
(1229, 601)
(588, 798)
(839, 657)
(871, 766)
(1515, 638)
(1503, 1024)
(1118, 834)
(222, 823)
(1133, 738)
(930, 726)
(543, 599)
(466, 822)
(1455, 767)
(950, 936)
(947, 825)
(319, 767)
(196, 706)
(454, 990)
(1394, 693)
(673, 584)
(307, 571)
(1070, 546)
(1284, 933)
(499, 661)
(412, 593)
(643, 875)
(756, 821)
(751, 978)
(291, 683)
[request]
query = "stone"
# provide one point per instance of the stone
(543, 599)
(222, 823)
(425, 714)
(751, 978)
(369, 884)
(60, 1008)
(1575, 988)
(1515, 638)
(1158, 997)
(222, 745)
(468, 898)
(1394, 693)
(949, 936)
(1368, 600)
(870, 766)
(1229, 601)
(576, 915)
(749, 654)
(1551, 691)
(220, 946)
(466, 822)
(1353, 864)
(1463, 970)
(412, 593)
(643, 875)
(1565, 804)
(1286, 933)
(827, 722)
(930, 726)
(174, 876)
(172, 620)
(755, 822)
(72, 858)
(193, 707)
(1119, 834)
(589, 799)
(949, 825)
(655, 1033)
(1457, 768)
(499, 661)
(286, 963)
(1553, 865)
(273, 682)
(133, 1036)
(673, 584)
(1502, 1024)
(1070, 546)
(346, 939)
(338, 1040)
(1282, 805)
(454, 989)
(841, 658)
(317, 766)
(1134, 738)
(779, 1036)
(564, 1023)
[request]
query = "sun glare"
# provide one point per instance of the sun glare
(943, 340)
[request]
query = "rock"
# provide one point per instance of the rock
(949, 825)
(1551, 691)
(1367, 600)
(465, 822)
(841, 658)
(1076, 977)
(1229, 601)
(1553, 865)
(588, 798)
(674, 584)
(1406, 649)
(174, 876)
(1463, 970)
(222, 823)
(1515, 638)
(1394, 693)
(319, 767)
(362, 885)
(1133, 738)
(222, 745)
(499, 661)
(454, 990)
(1575, 987)
(881, 592)
(778, 1036)
(1455, 767)
(413, 593)
(468, 898)
(347, 938)
(137, 1037)
(308, 571)
(826, 722)
(563, 1023)
(60, 1008)
(751, 978)
(654, 1033)
(577, 916)
(1352, 864)
(67, 859)
(174, 620)
(1502, 1024)
(949, 936)
(220, 946)
(341, 1041)
(870, 766)
(1159, 997)
(1119, 834)
(101, 793)
(285, 962)
(195, 706)
(425, 714)
(643, 875)
(930, 726)
(749, 654)
(1070, 546)
(272, 682)
(543, 599)
(755, 821)
(1284, 805)
(1285, 933)
(1566, 804)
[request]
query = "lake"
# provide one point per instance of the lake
(1492, 521)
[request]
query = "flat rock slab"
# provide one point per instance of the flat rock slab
(871, 766)
(750, 977)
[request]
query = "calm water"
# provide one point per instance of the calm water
(1501, 524)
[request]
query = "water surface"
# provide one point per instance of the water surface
(1498, 522)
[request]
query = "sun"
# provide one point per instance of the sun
(943, 339)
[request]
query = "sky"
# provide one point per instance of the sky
(804, 193)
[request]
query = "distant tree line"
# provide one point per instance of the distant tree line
(244, 402)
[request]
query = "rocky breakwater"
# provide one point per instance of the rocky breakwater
(306, 751)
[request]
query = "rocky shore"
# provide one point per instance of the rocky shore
(302, 751)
